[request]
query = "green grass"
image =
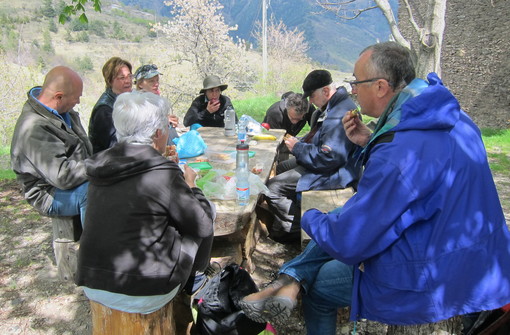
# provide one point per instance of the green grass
(496, 139)
(497, 143)
(7, 174)
(255, 107)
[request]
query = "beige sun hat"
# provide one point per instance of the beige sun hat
(213, 81)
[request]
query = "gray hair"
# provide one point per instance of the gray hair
(137, 115)
(391, 61)
(295, 100)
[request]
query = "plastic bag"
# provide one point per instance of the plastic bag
(221, 184)
(218, 304)
(253, 127)
(190, 144)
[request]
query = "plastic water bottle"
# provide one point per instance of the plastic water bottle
(242, 174)
(241, 130)
(230, 121)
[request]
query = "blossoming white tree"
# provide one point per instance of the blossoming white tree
(199, 36)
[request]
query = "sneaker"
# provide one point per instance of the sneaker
(195, 282)
(212, 270)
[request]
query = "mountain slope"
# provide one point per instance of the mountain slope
(333, 42)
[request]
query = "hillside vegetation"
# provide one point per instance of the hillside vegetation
(32, 41)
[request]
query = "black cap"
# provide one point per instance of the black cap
(314, 80)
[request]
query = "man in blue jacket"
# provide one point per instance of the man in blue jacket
(425, 234)
(322, 158)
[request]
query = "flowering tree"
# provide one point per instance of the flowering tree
(199, 36)
(286, 49)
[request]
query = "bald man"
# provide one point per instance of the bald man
(49, 146)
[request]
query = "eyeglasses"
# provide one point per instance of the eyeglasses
(124, 78)
(357, 82)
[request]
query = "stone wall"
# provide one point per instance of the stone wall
(475, 60)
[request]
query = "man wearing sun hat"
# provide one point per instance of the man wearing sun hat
(208, 109)
(322, 158)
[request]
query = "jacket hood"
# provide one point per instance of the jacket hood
(123, 161)
(422, 105)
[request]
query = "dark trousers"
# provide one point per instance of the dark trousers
(282, 201)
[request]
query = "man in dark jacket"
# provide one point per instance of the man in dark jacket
(49, 146)
(291, 113)
(148, 226)
(322, 158)
(208, 109)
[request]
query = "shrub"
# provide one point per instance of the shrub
(52, 26)
(97, 27)
(83, 36)
(84, 64)
(77, 25)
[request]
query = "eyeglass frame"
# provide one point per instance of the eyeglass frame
(371, 80)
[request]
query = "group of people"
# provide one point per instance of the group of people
(138, 249)
(422, 240)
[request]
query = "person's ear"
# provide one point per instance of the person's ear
(383, 88)
(58, 96)
(157, 134)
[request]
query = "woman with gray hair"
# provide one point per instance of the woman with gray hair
(148, 226)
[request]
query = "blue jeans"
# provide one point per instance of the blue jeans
(70, 202)
(327, 285)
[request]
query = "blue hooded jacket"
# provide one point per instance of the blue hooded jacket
(425, 231)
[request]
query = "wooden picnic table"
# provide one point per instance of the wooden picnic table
(236, 226)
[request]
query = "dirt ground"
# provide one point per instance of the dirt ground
(34, 301)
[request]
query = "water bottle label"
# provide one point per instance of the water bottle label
(241, 137)
(243, 195)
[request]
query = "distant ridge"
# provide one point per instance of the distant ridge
(333, 42)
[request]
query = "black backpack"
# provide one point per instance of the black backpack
(218, 304)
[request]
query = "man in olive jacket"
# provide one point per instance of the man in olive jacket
(49, 146)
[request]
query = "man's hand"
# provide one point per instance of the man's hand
(213, 105)
(190, 176)
(290, 142)
(356, 130)
(173, 120)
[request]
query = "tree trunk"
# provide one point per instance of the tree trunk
(431, 39)
(446, 327)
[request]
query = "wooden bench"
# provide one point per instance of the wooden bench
(107, 321)
(323, 200)
(66, 234)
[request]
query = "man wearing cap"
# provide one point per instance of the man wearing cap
(322, 158)
(208, 109)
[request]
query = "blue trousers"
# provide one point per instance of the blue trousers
(70, 202)
(327, 285)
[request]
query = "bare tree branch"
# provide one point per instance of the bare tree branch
(341, 9)
(385, 8)
(411, 17)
